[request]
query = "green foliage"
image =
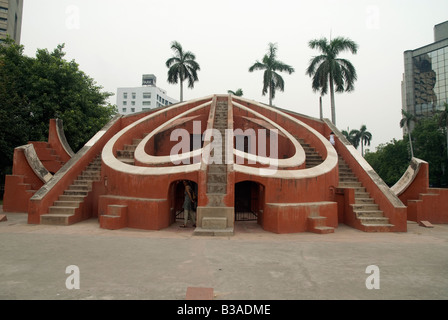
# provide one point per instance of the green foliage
(35, 90)
(407, 119)
(430, 145)
(361, 136)
(328, 71)
(272, 80)
(238, 92)
(390, 160)
(182, 66)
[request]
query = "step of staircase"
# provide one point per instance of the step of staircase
(65, 208)
(312, 157)
(215, 199)
(55, 219)
(216, 187)
(318, 224)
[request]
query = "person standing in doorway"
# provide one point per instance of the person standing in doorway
(189, 202)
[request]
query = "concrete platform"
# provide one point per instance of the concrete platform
(252, 264)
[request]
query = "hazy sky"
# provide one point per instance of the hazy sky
(116, 41)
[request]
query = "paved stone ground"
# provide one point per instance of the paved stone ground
(251, 265)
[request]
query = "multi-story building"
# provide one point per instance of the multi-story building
(425, 79)
(11, 19)
(136, 99)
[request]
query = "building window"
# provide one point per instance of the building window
(3, 10)
(133, 95)
(125, 103)
(125, 95)
(124, 110)
(146, 109)
(146, 95)
(132, 109)
(133, 103)
(146, 103)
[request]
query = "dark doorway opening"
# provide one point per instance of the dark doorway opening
(177, 197)
(249, 200)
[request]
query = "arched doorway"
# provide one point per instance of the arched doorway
(249, 201)
(177, 197)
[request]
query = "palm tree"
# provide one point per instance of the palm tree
(238, 93)
(361, 136)
(443, 122)
(271, 79)
(328, 70)
(407, 119)
(182, 66)
(352, 136)
(365, 137)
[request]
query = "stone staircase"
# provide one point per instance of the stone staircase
(127, 154)
(217, 172)
(47, 155)
(313, 158)
(215, 221)
(66, 209)
(366, 211)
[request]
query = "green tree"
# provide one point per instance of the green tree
(352, 136)
(238, 92)
(328, 71)
(365, 137)
(406, 121)
(390, 160)
(182, 66)
(271, 79)
(35, 90)
(429, 142)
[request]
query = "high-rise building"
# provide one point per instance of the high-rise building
(136, 99)
(11, 19)
(425, 79)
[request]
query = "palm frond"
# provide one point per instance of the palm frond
(320, 44)
(257, 66)
(340, 44)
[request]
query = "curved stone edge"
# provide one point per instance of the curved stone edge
(296, 160)
(35, 164)
(112, 162)
(330, 162)
(62, 138)
(142, 157)
(408, 177)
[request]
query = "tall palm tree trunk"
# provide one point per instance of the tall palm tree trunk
(270, 94)
(410, 143)
(320, 108)
(181, 90)
(333, 109)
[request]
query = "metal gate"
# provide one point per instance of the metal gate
(246, 216)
